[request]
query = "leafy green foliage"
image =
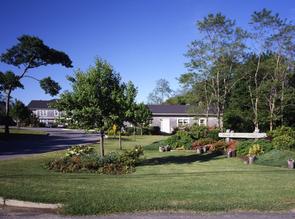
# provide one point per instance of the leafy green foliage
(22, 114)
(243, 147)
(282, 130)
(173, 141)
(213, 133)
(96, 98)
(255, 150)
(9, 80)
(198, 132)
(50, 86)
(33, 52)
(283, 142)
(185, 139)
(180, 139)
(142, 116)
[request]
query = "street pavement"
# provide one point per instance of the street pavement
(13, 213)
(57, 139)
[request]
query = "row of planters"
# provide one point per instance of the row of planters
(84, 158)
(199, 138)
(278, 150)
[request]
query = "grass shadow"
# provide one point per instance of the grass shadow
(180, 159)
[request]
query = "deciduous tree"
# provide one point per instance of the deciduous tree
(96, 100)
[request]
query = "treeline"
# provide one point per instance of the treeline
(246, 75)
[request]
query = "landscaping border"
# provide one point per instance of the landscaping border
(27, 204)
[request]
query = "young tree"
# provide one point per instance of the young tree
(95, 101)
(127, 107)
(161, 92)
(142, 116)
(30, 52)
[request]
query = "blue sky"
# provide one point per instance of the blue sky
(144, 40)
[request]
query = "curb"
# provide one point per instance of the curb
(26, 204)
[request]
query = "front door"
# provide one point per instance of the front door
(165, 125)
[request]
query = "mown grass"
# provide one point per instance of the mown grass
(277, 158)
(164, 181)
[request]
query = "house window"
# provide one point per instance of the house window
(182, 122)
(202, 122)
(43, 112)
(55, 113)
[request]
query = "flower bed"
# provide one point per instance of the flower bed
(84, 159)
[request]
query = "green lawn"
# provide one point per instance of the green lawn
(165, 181)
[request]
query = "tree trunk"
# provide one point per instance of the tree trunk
(101, 148)
(7, 109)
(141, 130)
(256, 113)
(218, 100)
(207, 116)
(120, 141)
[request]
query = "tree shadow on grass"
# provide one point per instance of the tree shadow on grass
(16, 136)
(181, 159)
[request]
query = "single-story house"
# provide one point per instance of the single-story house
(167, 117)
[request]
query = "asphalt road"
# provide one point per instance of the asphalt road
(57, 139)
(12, 213)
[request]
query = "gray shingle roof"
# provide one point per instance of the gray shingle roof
(176, 110)
(181, 109)
(40, 104)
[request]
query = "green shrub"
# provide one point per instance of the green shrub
(283, 142)
(179, 140)
(198, 132)
(282, 130)
(244, 146)
(131, 157)
(213, 134)
(173, 141)
(155, 145)
(185, 139)
(255, 150)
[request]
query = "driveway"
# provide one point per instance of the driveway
(34, 214)
(57, 139)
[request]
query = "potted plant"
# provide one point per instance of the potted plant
(290, 163)
(254, 150)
